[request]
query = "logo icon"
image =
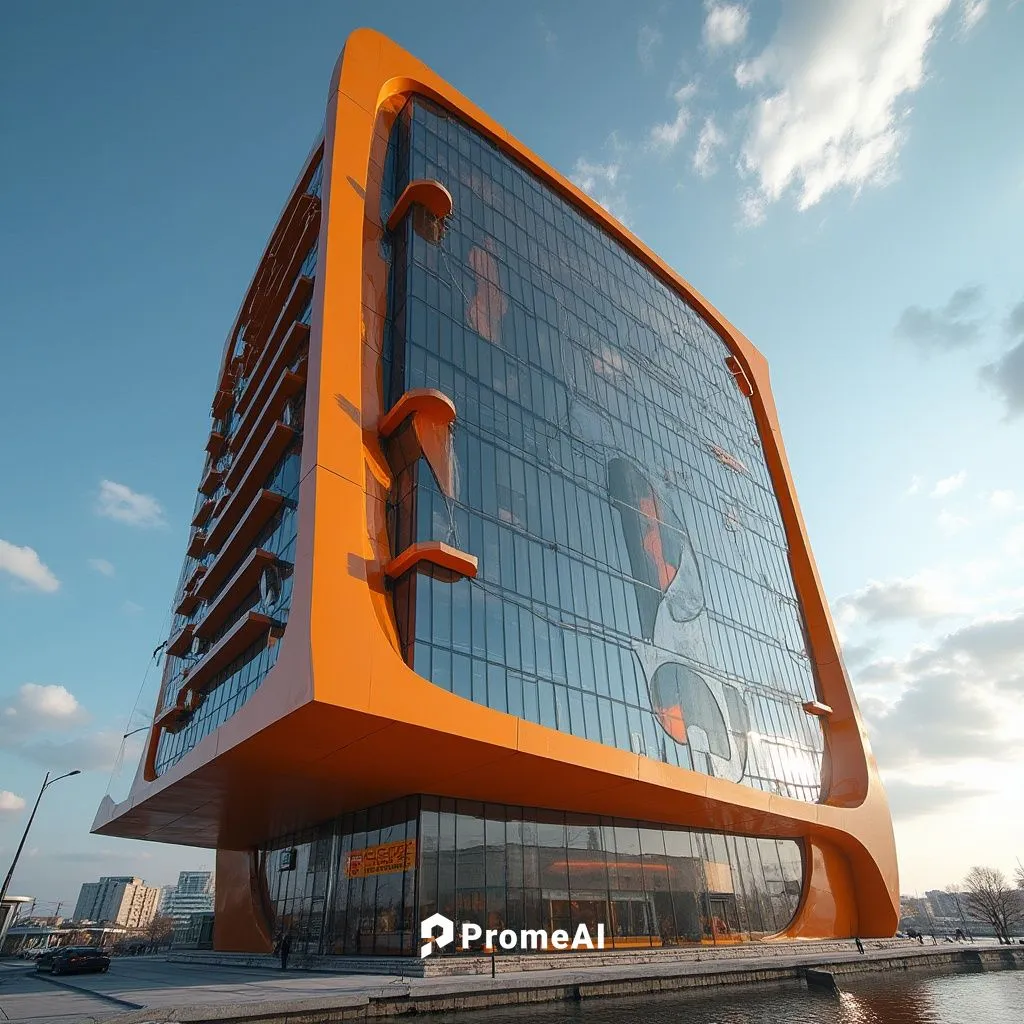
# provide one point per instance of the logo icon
(445, 938)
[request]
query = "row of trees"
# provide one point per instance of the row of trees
(996, 899)
(156, 935)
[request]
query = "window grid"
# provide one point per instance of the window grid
(572, 367)
(514, 867)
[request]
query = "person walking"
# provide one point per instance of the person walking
(285, 949)
(860, 945)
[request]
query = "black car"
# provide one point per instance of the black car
(72, 960)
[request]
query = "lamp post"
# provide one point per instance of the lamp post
(47, 782)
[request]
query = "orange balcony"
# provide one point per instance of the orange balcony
(273, 360)
(432, 558)
(245, 484)
(170, 717)
(197, 544)
(273, 397)
(252, 520)
(426, 192)
(203, 513)
(220, 504)
(245, 632)
(294, 240)
(817, 708)
(215, 443)
(189, 599)
(181, 642)
(222, 403)
(244, 581)
(211, 481)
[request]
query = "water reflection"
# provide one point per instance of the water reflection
(918, 998)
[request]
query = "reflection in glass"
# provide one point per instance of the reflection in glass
(351, 887)
(634, 583)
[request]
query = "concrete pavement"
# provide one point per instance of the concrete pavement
(25, 997)
(152, 990)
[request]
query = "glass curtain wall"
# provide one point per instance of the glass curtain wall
(634, 585)
(361, 884)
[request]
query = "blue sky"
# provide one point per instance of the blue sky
(848, 188)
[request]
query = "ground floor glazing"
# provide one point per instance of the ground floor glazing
(361, 884)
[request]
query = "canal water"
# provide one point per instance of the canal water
(894, 998)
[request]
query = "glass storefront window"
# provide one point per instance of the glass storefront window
(353, 888)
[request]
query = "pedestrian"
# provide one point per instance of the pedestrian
(286, 948)
(860, 945)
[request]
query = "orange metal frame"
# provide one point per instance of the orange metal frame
(341, 704)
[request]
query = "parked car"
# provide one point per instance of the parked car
(73, 960)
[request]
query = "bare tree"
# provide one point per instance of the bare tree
(988, 893)
(160, 930)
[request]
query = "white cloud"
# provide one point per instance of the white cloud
(909, 800)
(1013, 545)
(949, 484)
(647, 41)
(602, 183)
(131, 607)
(548, 36)
(711, 139)
(39, 706)
(951, 524)
(914, 486)
(957, 700)
(102, 566)
(25, 565)
(1002, 501)
(833, 87)
(753, 208)
(1006, 377)
(920, 599)
(121, 503)
(971, 12)
(725, 24)
(667, 135)
(95, 751)
(10, 803)
(955, 325)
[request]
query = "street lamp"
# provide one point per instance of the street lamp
(47, 781)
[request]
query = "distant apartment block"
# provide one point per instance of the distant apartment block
(118, 899)
(192, 895)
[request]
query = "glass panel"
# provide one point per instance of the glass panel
(612, 484)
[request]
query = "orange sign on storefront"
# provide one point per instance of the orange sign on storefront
(382, 859)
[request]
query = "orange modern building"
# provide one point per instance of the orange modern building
(497, 599)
